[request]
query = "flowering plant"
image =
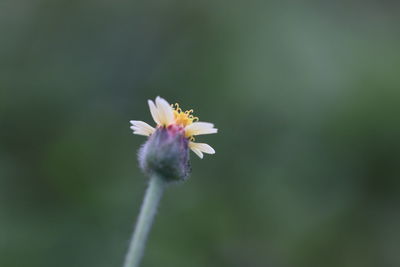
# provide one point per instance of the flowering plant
(164, 158)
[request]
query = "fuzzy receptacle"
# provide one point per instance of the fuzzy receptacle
(166, 154)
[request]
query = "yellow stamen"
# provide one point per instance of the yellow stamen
(183, 118)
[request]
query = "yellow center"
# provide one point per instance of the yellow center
(183, 118)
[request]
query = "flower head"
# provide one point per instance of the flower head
(171, 138)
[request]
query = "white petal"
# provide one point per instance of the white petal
(154, 112)
(205, 148)
(197, 152)
(166, 114)
(142, 125)
(198, 128)
(140, 132)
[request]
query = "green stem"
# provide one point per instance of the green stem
(146, 216)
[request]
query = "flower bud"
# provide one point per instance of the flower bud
(166, 153)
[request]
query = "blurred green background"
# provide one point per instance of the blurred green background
(306, 96)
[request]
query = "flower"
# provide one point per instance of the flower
(175, 122)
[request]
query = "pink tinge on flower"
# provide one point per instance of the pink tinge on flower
(175, 129)
(176, 121)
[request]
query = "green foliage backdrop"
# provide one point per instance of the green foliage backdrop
(306, 97)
